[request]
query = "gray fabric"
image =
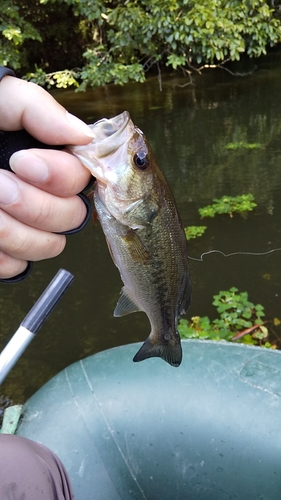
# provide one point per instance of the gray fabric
(30, 471)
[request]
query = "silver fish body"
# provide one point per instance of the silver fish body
(143, 230)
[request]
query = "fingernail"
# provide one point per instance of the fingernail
(9, 191)
(79, 125)
(28, 166)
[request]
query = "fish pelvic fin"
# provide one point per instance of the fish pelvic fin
(170, 351)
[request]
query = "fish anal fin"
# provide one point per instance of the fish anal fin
(171, 352)
(125, 305)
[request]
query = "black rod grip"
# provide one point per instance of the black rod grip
(10, 142)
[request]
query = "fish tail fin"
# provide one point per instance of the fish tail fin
(170, 351)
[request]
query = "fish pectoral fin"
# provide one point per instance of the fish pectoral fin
(169, 351)
(125, 305)
(136, 248)
(142, 212)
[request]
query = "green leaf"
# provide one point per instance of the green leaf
(228, 205)
(192, 232)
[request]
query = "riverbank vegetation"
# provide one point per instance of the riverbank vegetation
(238, 320)
(84, 43)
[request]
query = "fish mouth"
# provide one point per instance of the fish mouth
(110, 134)
(109, 146)
(106, 127)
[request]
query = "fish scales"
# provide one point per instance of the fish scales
(143, 230)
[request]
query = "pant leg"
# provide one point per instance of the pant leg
(30, 471)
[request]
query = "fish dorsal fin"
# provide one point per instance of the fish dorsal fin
(125, 305)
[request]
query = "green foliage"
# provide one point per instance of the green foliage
(236, 311)
(224, 205)
(192, 232)
(102, 69)
(238, 319)
(243, 145)
(202, 328)
(15, 30)
(228, 205)
(120, 41)
(61, 79)
(183, 33)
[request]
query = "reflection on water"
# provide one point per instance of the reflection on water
(188, 128)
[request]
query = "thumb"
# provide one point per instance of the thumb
(26, 105)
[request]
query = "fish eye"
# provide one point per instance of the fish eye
(141, 160)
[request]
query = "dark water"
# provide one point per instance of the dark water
(188, 128)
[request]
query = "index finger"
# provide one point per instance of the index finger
(26, 105)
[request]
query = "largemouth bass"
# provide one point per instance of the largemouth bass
(143, 230)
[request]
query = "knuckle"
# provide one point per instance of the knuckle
(64, 214)
(45, 217)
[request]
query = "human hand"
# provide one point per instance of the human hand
(38, 199)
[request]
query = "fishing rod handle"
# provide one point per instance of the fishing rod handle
(47, 301)
(13, 351)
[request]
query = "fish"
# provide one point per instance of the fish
(143, 230)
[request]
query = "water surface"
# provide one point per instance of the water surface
(188, 128)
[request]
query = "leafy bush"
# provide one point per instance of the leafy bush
(120, 41)
(15, 30)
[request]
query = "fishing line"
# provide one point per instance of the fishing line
(255, 254)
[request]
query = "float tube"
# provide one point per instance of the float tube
(208, 430)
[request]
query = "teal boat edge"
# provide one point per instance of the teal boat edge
(208, 430)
